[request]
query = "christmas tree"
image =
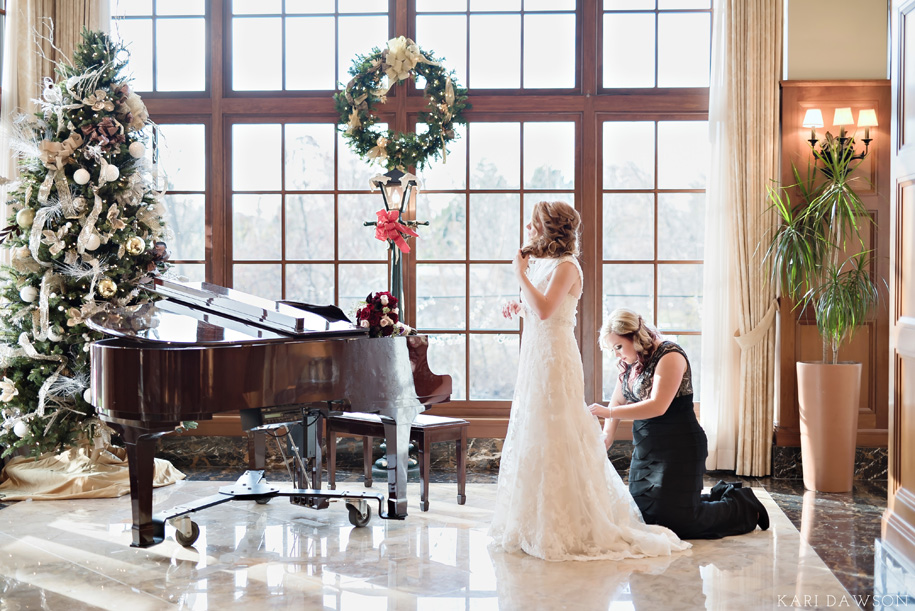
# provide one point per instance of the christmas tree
(84, 230)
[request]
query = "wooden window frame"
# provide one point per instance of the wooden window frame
(587, 103)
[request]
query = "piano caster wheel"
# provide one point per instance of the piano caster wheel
(359, 518)
(263, 500)
(186, 531)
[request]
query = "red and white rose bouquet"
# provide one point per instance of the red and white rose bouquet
(380, 315)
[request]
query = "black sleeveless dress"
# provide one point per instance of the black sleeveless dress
(668, 462)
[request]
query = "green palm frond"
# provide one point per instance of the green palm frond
(805, 253)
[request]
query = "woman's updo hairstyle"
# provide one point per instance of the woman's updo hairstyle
(558, 225)
(630, 325)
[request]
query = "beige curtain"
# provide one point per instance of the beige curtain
(744, 120)
(33, 29)
(36, 27)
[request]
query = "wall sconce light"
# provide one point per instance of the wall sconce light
(813, 119)
(867, 119)
(842, 118)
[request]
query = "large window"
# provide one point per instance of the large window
(297, 224)
(301, 44)
(600, 103)
(167, 42)
(656, 43)
(179, 158)
(502, 44)
(654, 178)
(477, 204)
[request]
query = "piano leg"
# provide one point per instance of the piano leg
(141, 450)
(397, 441)
(257, 450)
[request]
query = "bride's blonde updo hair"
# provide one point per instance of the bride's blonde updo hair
(558, 225)
(630, 325)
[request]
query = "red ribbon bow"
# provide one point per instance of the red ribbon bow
(388, 227)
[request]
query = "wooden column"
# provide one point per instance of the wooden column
(898, 527)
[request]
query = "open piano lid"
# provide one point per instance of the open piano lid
(220, 315)
(282, 316)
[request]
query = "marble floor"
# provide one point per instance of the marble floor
(75, 555)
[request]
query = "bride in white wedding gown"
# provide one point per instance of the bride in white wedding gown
(559, 497)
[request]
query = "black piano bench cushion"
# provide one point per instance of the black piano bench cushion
(425, 431)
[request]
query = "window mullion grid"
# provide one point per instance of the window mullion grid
(283, 209)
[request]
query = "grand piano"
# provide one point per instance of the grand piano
(203, 349)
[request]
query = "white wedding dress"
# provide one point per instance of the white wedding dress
(559, 498)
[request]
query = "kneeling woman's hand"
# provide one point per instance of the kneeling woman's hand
(599, 410)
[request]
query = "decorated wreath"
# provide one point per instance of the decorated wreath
(373, 76)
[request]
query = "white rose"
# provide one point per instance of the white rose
(384, 300)
(138, 113)
(385, 321)
(364, 323)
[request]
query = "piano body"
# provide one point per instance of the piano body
(205, 349)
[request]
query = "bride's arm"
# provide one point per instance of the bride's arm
(545, 304)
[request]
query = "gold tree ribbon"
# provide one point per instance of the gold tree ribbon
(32, 353)
(35, 236)
(64, 196)
(49, 281)
(89, 224)
(55, 155)
(44, 191)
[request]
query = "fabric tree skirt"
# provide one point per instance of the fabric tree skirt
(76, 474)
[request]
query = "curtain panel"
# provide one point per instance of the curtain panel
(39, 33)
(738, 341)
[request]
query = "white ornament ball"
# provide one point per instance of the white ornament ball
(136, 150)
(112, 173)
(93, 242)
(81, 176)
(87, 396)
(20, 429)
(25, 217)
(28, 294)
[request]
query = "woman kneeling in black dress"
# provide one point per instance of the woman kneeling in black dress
(655, 391)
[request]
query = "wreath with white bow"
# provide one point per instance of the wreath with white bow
(373, 76)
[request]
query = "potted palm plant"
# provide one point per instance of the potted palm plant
(818, 258)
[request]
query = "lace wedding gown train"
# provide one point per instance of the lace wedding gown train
(558, 496)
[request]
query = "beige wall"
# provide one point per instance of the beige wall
(836, 39)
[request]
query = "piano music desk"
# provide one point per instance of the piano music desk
(425, 431)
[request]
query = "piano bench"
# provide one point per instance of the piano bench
(425, 431)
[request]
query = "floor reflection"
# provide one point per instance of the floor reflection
(75, 555)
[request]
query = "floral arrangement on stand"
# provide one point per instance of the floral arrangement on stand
(373, 76)
(86, 226)
(380, 315)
